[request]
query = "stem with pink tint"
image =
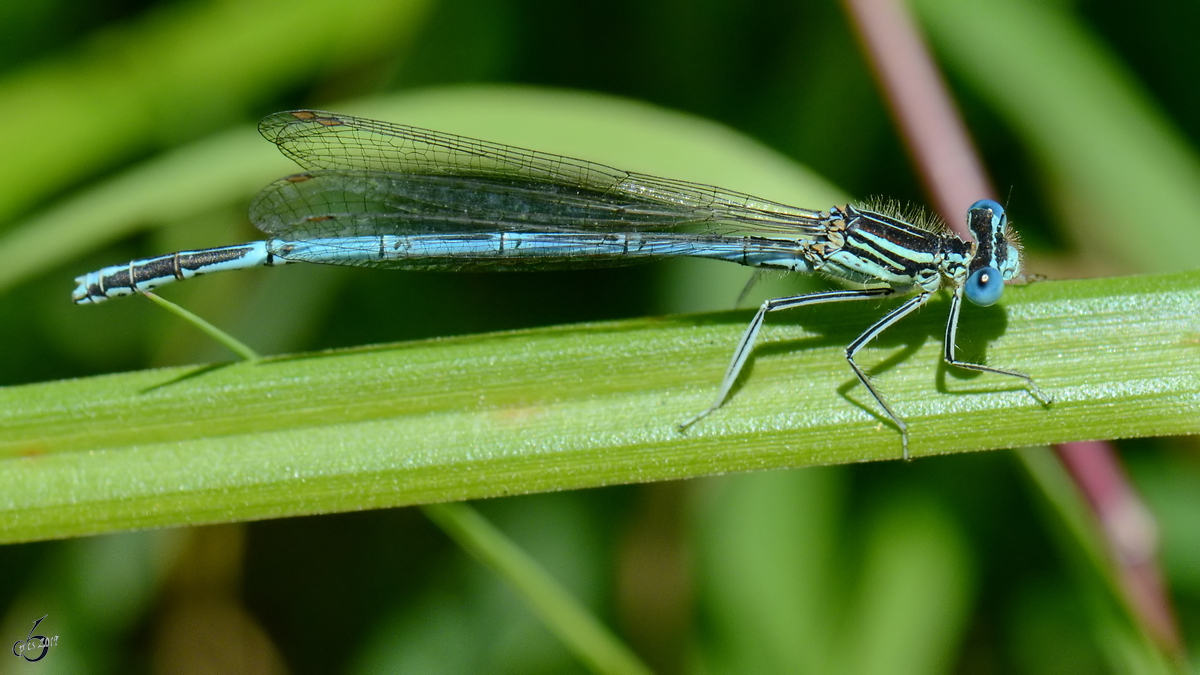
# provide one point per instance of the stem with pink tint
(954, 177)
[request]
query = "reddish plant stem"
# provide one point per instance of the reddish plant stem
(954, 176)
(1131, 534)
(922, 107)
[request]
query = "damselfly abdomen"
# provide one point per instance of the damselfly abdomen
(376, 194)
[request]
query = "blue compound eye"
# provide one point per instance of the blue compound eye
(988, 204)
(984, 286)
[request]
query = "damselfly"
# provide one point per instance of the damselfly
(376, 194)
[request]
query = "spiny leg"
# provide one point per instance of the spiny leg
(872, 333)
(746, 344)
(951, 335)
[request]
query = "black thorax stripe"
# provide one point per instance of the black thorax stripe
(890, 243)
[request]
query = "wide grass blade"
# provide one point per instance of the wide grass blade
(586, 405)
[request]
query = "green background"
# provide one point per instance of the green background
(128, 132)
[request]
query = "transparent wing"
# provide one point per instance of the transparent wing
(338, 203)
(456, 223)
(326, 141)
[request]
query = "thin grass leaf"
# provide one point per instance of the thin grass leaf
(586, 405)
(594, 644)
(231, 343)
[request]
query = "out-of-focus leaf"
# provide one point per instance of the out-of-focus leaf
(176, 74)
(781, 595)
(915, 594)
(180, 185)
(774, 593)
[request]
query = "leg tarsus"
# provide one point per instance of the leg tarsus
(949, 356)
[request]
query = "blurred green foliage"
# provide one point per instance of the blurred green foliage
(126, 134)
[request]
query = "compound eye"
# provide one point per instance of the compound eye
(984, 286)
(988, 205)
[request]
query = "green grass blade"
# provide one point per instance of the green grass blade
(586, 405)
(231, 343)
(594, 644)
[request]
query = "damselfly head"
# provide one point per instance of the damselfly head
(997, 253)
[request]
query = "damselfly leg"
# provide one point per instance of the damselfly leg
(746, 345)
(949, 355)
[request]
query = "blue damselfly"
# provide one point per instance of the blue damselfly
(376, 194)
